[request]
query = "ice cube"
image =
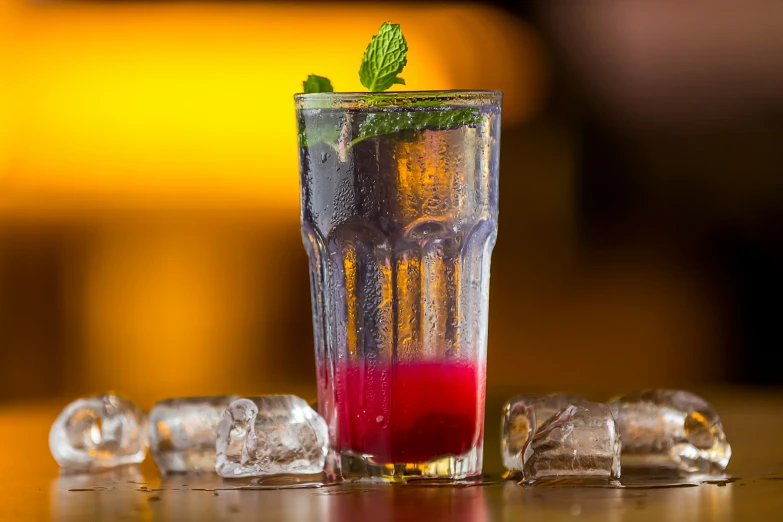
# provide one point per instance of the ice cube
(99, 432)
(183, 432)
(270, 435)
(670, 430)
(560, 436)
(522, 416)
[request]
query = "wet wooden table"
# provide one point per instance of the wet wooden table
(32, 489)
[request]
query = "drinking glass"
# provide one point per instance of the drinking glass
(399, 206)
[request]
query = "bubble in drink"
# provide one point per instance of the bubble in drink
(270, 435)
(670, 431)
(99, 432)
(183, 432)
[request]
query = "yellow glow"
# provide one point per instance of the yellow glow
(110, 107)
(352, 304)
(107, 105)
(408, 334)
(167, 311)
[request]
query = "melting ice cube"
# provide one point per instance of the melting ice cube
(270, 435)
(670, 430)
(560, 436)
(99, 432)
(522, 416)
(183, 432)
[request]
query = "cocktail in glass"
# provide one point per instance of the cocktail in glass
(399, 211)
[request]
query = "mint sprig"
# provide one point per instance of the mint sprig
(325, 134)
(384, 59)
(380, 123)
(315, 83)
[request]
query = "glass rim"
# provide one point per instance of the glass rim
(360, 100)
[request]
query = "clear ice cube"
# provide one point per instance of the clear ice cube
(670, 431)
(99, 432)
(183, 432)
(560, 436)
(270, 435)
(522, 416)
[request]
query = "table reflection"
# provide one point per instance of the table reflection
(671, 503)
(127, 493)
(108, 495)
(387, 503)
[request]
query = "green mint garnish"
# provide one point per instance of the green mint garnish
(326, 134)
(315, 83)
(380, 123)
(384, 59)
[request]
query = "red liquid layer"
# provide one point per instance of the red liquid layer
(408, 412)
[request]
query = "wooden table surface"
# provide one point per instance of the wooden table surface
(32, 489)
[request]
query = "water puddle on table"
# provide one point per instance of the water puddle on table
(212, 483)
(628, 482)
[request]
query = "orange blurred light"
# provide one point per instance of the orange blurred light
(190, 105)
(124, 106)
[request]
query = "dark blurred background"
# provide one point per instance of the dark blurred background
(149, 234)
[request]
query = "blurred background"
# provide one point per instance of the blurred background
(149, 220)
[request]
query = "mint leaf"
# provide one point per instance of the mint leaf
(315, 83)
(392, 100)
(380, 123)
(312, 135)
(384, 59)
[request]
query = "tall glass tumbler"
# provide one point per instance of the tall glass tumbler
(399, 206)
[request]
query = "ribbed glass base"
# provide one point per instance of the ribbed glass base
(357, 467)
